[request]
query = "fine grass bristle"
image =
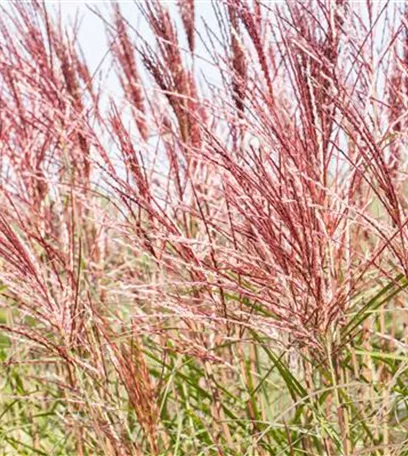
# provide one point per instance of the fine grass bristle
(207, 256)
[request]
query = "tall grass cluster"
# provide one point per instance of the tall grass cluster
(212, 259)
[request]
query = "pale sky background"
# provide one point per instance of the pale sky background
(92, 35)
(93, 38)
